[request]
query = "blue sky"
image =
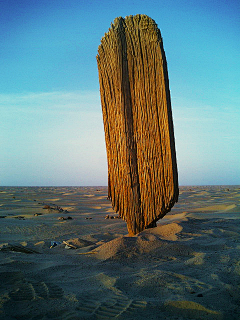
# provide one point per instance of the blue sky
(51, 130)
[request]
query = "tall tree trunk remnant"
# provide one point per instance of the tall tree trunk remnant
(137, 116)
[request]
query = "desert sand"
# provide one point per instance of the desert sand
(61, 259)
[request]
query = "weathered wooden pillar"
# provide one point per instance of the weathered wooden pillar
(137, 116)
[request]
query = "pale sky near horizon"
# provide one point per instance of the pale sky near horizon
(51, 131)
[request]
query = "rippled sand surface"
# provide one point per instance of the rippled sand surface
(61, 259)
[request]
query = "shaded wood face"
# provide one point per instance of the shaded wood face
(137, 116)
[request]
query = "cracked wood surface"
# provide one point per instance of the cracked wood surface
(137, 116)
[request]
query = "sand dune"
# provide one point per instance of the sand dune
(88, 268)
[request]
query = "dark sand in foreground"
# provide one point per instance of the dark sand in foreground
(186, 268)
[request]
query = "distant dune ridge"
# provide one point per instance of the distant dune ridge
(136, 106)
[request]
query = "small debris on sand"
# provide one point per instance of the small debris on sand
(112, 217)
(64, 218)
(54, 244)
(54, 207)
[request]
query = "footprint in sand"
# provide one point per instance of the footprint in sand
(19, 289)
(107, 302)
(33, 290)
(115, 305)
(23, 299)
